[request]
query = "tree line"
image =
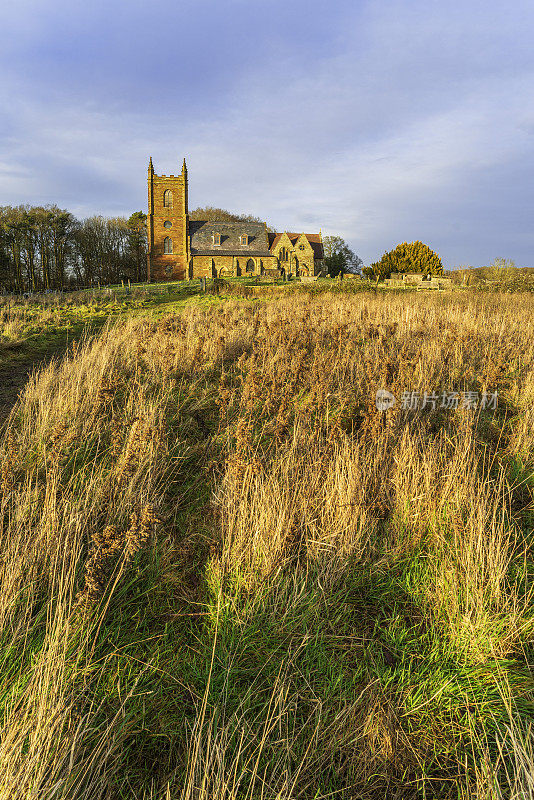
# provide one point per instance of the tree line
(215, 214)
(46, 247)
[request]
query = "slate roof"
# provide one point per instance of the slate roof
(201, 233)
(313, 238)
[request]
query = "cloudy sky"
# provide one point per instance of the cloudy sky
(378, 120)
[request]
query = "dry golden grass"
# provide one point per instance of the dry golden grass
(350, 589)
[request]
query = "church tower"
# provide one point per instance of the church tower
(167, 226)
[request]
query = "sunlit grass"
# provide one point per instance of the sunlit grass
(225, 574)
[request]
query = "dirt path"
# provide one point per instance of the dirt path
(13, 377)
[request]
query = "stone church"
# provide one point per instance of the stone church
(180, 248)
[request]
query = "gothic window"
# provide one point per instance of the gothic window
(250, 266)
(167, 198)
(167, 224)
(283, 254)
(167, 245)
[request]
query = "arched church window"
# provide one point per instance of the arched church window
(167, 198)
(167, 245)
(250, 266)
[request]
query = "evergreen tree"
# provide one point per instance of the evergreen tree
(408, 257)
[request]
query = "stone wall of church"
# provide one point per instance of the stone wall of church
(167, 266)
(304, 258)
(300, 257)
(229, 266)
(210, 266)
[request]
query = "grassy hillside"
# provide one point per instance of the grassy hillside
(226, 574)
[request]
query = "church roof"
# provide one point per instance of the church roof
(313, 238)
(202, 231)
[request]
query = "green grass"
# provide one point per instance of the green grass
(329, 649)
(45, 327)
(51, 324)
